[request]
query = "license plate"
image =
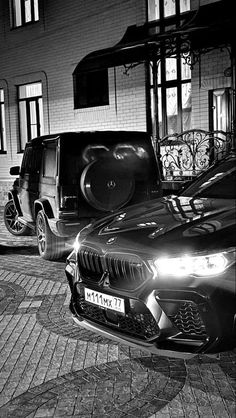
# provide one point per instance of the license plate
(104, 301)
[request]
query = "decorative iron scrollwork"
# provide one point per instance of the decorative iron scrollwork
(185, 155)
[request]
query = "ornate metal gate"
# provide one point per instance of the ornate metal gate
(185, 155)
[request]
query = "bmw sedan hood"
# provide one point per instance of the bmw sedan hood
(168, 224)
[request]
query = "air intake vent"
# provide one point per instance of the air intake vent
(188, 320)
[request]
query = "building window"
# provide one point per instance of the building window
(91, 89)
(220, 109)
(2, 124)
(174, 75)
(24, 11)
(158, 9)
(30, 112)
(174, 96)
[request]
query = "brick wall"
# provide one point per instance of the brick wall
(49, 51)
(207, 75)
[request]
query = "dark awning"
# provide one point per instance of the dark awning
(210, 26)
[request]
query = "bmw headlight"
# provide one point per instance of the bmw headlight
(197, 265)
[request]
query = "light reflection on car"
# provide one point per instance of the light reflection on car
(161, 275)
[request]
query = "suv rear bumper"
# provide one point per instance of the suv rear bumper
(66, 228)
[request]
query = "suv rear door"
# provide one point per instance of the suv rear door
(29, 180)
(49, 173)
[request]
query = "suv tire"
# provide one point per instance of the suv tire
(13, 225)
(50, 246)
(107, 184)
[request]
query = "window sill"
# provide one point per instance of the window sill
(91, 106)
(24, 25)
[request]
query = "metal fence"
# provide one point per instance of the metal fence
(183, 156)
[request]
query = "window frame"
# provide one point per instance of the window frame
(164, 84)
(227, 93)
(22, 15)
(2, 124)
(39, 123)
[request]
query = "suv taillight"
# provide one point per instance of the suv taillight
(69, 202)
(68, 198)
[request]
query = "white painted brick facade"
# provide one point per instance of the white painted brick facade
(49, 51)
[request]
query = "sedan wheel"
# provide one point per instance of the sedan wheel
(12, 222)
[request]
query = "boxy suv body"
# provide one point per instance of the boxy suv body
(68, 179)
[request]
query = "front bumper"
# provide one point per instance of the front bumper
(177, 323)
(132, 342)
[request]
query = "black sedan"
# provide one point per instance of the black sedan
(161, 275)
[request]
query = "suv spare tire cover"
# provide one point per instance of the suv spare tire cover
(107, 184)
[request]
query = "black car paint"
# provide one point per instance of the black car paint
(174, 226)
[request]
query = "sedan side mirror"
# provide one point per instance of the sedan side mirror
(15, 171)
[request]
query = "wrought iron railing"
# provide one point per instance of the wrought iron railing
(183, 156)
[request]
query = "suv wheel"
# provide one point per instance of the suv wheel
(11, 221)
(50, 246)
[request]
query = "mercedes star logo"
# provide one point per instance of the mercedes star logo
(111, 184)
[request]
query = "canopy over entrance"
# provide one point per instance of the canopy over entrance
(208, 27)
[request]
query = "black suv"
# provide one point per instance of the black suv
(68, 179)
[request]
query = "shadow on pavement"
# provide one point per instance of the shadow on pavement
(18, 249)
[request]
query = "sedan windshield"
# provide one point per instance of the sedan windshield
(218, 182)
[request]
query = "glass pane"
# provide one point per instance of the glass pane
(17, 12)
(186, 106)
(2, 115)
(33, 119)
(169, 8)
(153, 10)
(160, 111)
(185, 70)
(23, 124)
(158, 74)
(220, 106)
(36, 10)
(28, 16)
(2, 128)
(184, 5)
(171, 69)
(49, 163)
(30, 90)
(171, 109)
(41, 116)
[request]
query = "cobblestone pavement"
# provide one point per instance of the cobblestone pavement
(52, 368)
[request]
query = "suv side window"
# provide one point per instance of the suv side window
(31, 161)
(50, 161)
